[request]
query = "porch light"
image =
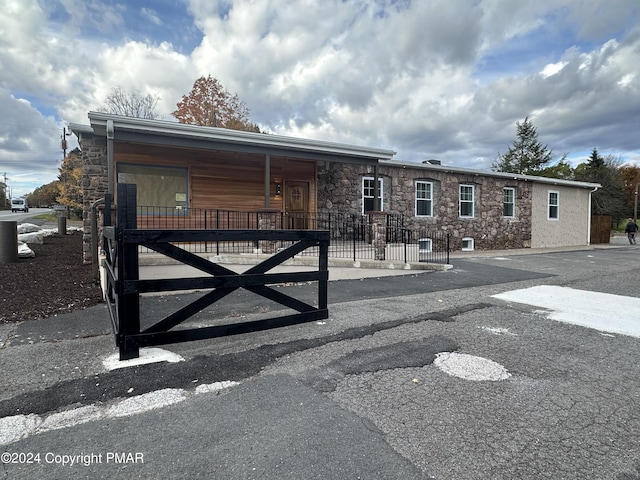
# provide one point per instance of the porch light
(278, 189)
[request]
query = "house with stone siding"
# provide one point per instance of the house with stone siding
(189, 168)
(479, 209)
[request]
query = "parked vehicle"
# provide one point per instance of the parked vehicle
(19, 205)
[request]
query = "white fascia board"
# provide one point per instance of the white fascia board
(80, 128)
(164, 127)
(487, 173)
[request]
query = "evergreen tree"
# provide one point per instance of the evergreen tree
(526, 156)
(562, 170)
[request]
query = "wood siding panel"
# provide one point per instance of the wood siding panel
(225, 180)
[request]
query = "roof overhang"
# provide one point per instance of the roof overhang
(485, 173)
(174, 134)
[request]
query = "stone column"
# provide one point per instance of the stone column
(268, 220)
(94, 184)
(378, 222)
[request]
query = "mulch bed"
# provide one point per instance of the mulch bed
(55, 281)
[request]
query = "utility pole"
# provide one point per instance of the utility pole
(63, 142)
(63, 145)
(5, 191)
(635, 204)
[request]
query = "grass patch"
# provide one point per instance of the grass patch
(49, 217)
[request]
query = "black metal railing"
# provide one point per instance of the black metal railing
(352, 236)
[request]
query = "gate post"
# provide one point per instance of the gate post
(323, 266)
(129, 304)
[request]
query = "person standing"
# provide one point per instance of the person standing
(632, 228)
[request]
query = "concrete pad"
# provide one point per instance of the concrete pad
(147, 355)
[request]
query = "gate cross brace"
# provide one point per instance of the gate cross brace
(225, 281)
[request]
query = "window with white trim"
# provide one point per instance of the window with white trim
(424, 199)
(466, 201)
(425, 245)
(368, 205)
(553, 210)
(468, 245)
(508, 202)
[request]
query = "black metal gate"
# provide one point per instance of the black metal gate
(123, 284)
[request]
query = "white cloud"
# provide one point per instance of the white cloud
(151, 15)
(148, 69)
(29, 144)
(552, 68)
(91, 14)
(435, 79)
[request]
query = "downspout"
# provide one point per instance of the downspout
(110, 166)
(376, 194)
(589, 216)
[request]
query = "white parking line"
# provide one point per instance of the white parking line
(601, 311)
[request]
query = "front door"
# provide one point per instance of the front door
(297, 204)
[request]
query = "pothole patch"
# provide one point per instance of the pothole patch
(470, 367)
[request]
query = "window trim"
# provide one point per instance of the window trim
(380, 192)
(470, 242)
(472, 201)
(429, 200)
(556, 205)
(513, 202)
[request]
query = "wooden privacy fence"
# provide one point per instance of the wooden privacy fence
(600, 229)
(124, 286)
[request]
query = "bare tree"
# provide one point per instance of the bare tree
(131, 104)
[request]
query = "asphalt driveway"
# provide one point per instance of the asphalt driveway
(397, 383)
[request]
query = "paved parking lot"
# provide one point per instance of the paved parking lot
(424, 375)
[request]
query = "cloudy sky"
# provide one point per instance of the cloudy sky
(443, 79)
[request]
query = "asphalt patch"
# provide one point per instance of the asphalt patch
(415, 353)
(134, 381)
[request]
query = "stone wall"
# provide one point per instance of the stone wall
(94, 182)
(340, 190)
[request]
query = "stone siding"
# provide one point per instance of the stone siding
(340, 190)
(94, 183)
